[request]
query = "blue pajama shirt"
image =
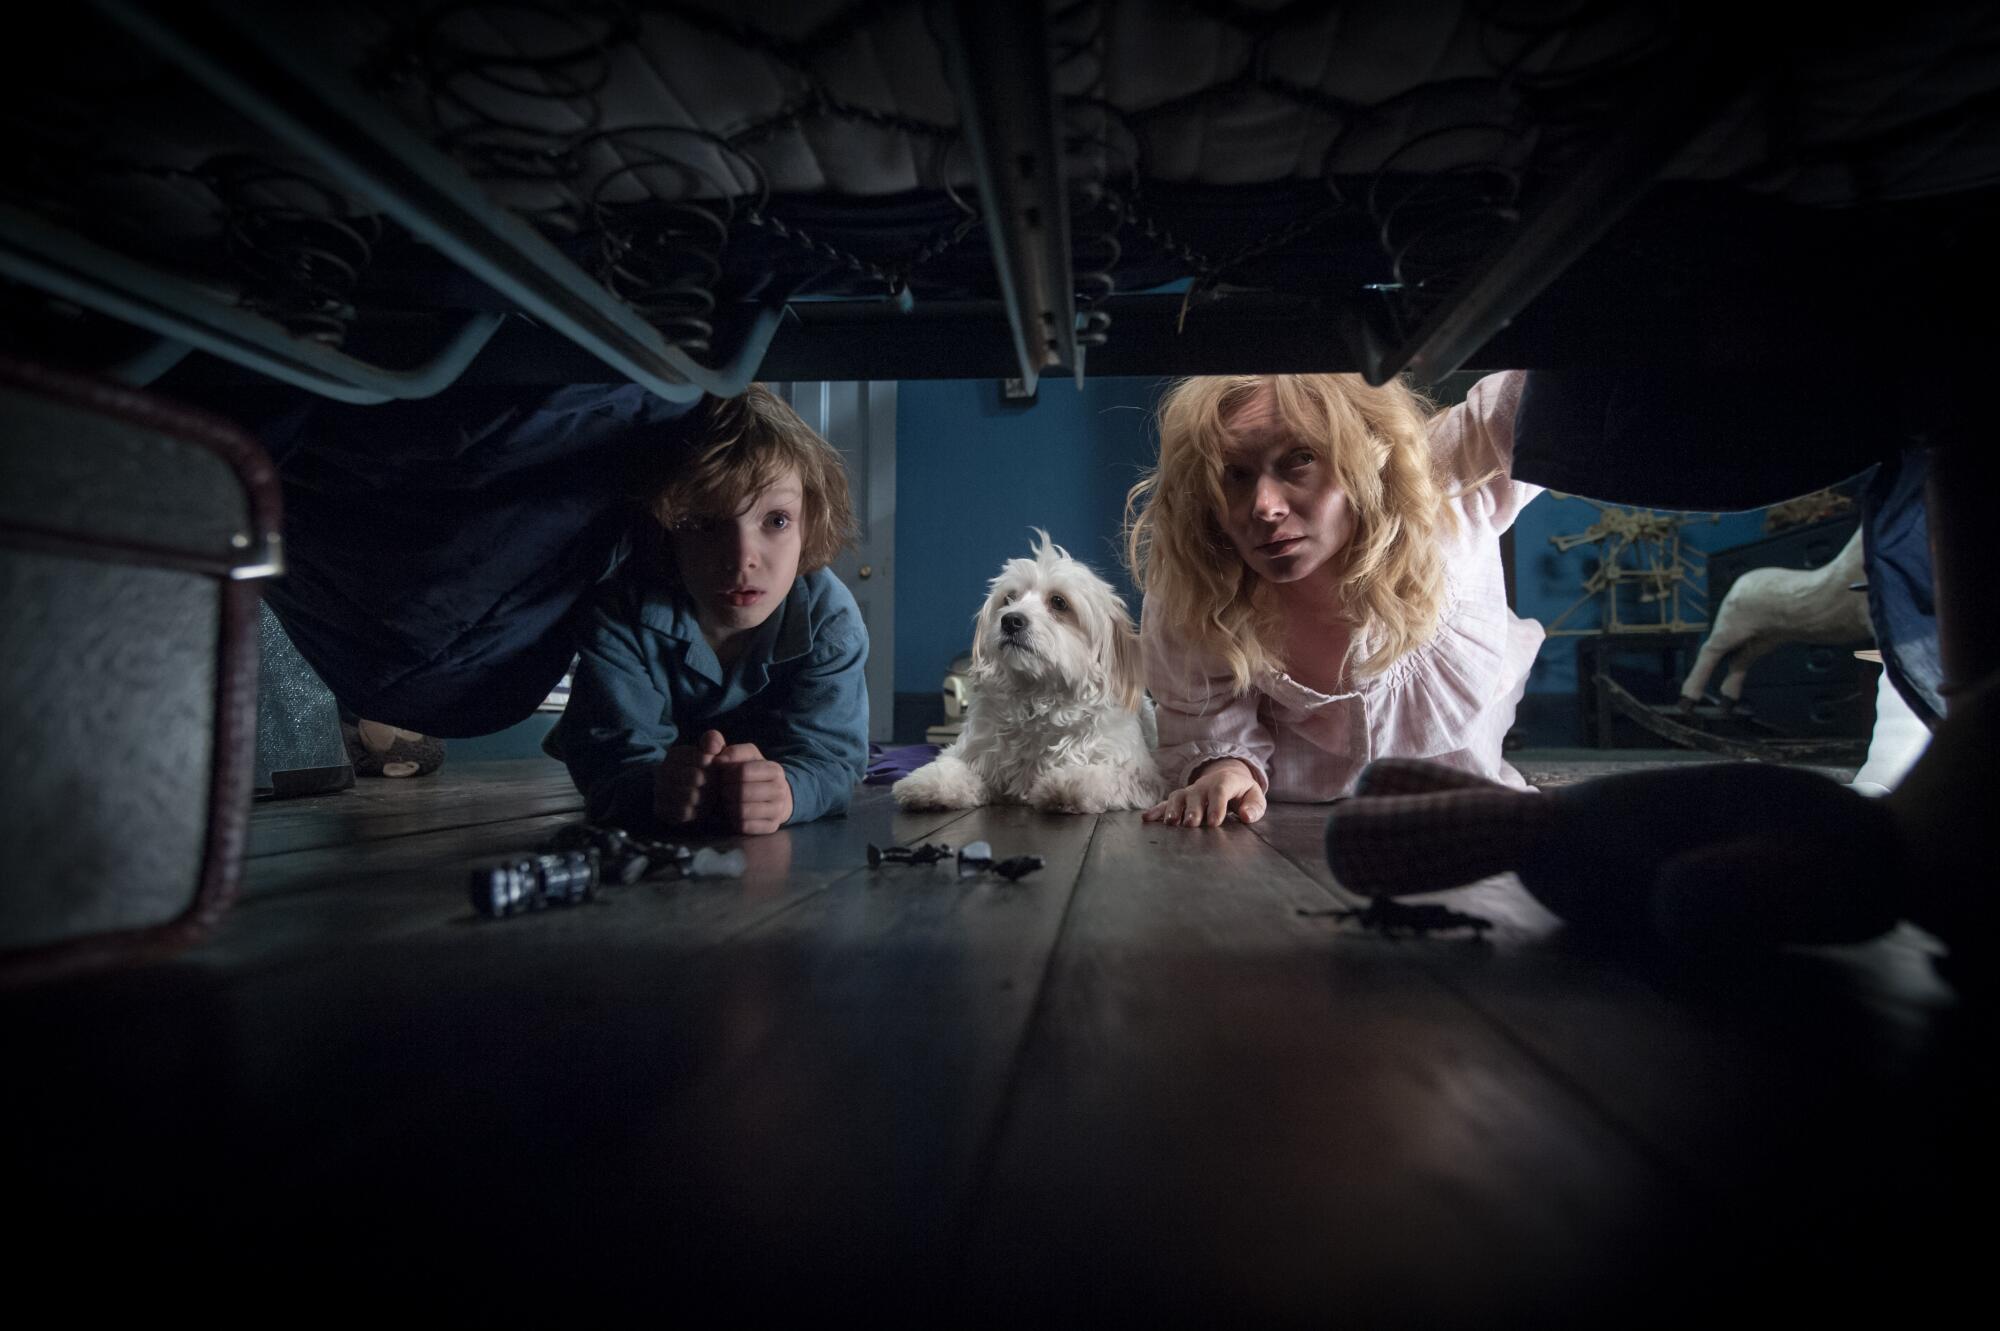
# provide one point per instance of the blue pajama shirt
(647, 680)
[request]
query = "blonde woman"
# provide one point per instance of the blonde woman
(1323, 587)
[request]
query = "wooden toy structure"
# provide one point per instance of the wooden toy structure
(1643, 563)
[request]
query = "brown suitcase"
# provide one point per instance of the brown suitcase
(132, 533)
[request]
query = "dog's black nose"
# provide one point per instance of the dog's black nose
(1013, 622)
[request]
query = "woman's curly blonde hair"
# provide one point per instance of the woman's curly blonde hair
(1377, 442)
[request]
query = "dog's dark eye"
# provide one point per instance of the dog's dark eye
(1059, 605)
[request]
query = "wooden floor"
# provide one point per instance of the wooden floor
(1139, 1083)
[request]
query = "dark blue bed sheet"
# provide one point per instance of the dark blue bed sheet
(438, 549)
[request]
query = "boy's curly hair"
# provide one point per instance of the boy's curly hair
(744, 443)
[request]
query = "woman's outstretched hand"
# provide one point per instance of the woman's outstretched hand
(1219, 789)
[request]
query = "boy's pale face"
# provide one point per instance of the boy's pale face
(739, 569)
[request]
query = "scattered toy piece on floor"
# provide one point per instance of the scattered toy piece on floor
(1386, 916)
(523, 883)
(627, 858)
(974, 857)
(711, 863)
(928, 853)
(630, 858)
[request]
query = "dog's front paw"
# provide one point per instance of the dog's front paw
(1079, 790)
(946, 783)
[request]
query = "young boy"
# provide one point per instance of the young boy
(720, 676)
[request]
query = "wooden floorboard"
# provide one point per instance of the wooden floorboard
(1139, 1082)
(1319, 1118)
(470, 795)
(1795, 1089)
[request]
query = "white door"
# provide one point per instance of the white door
(859, 419)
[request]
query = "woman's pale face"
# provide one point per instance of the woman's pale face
(1283, 508)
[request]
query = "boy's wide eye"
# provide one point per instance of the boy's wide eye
(778, 521)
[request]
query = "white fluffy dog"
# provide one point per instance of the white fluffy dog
(1054, 719)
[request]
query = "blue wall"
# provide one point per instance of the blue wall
(974, 472)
